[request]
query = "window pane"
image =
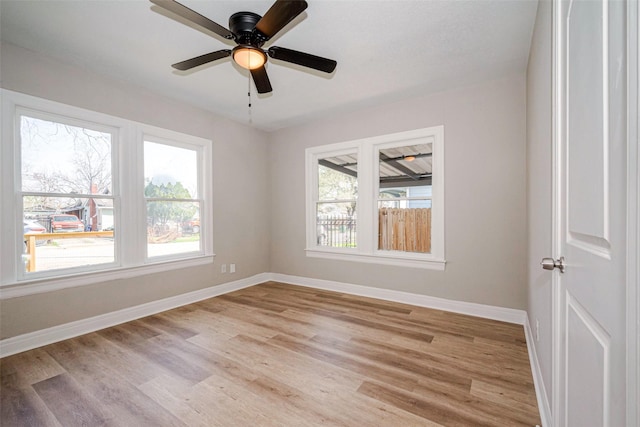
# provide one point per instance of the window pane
(336, 225)
(407, 197)
(57, 236)
(59, 158)
(338, 178)
(172, 228)
(405, 166)
(404, 198)
(170, 172)
(404, 229)
(336, 207)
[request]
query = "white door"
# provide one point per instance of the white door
(590, 215)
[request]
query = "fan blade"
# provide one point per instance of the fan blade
(202, 59)
(195, 17)
(304, 59)
(261, 80)
(280, 14)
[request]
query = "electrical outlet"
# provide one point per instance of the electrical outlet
(537, 330)
(223, 268)
(232, 268)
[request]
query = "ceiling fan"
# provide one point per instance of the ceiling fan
(251, 31)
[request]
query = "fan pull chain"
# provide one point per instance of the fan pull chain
(249, 95)
(249, 92)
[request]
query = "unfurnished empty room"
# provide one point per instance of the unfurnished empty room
(321, 212)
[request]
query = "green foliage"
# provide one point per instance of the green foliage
(160, 212)
(334, 185)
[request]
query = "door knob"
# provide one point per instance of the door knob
(550, 264)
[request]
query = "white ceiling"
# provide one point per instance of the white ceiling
(386, 50)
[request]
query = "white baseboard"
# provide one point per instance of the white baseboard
(42, 337)
(541, 391)
(509, 315)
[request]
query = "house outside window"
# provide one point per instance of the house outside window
(91, 197)
(378, 199)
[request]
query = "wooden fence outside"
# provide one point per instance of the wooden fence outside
(407, 230)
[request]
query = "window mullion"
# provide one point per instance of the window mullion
(366, 199)
(311, 196)
(130, 220)
(8, 186)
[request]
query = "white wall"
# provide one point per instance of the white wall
(240, 234)
(485, 207)
(539, 186)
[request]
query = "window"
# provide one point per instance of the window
(97, 194)
(171, 197)
(378, 199)
(336, 202)
(66, 189)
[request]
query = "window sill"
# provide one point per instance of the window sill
(393, 259)
(30, 287)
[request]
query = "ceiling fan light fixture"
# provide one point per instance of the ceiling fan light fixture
(250, 31)
(249, 57)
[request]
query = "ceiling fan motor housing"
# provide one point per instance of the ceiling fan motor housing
(242, 25)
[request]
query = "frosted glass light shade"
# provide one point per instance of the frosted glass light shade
(249, 58)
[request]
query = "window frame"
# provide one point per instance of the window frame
(367, 150)
(154, 136)
(40, 114)
(312, 210)
(130, 257)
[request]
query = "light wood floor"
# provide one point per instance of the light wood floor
(279, 355)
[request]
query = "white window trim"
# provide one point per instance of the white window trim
(204, 150)
(68, 119)
(367, 151)
(130, 251)
(312, 191)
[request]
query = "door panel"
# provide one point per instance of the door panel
(587, 137)
(590, 217)
(587, 352)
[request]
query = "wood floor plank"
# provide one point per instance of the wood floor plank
(168, 392)
(21, 406)
(120, 400)
(154, 353)
(393, 360)
(524, 401)
(295, 368)
(163, 323)
(71, 405)
(279, 355)
(31, 366)
(226, 404)
(434, 410)
(252, 405)
(274, 323)
(350, 363)
(129, 364)
(487, 411)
